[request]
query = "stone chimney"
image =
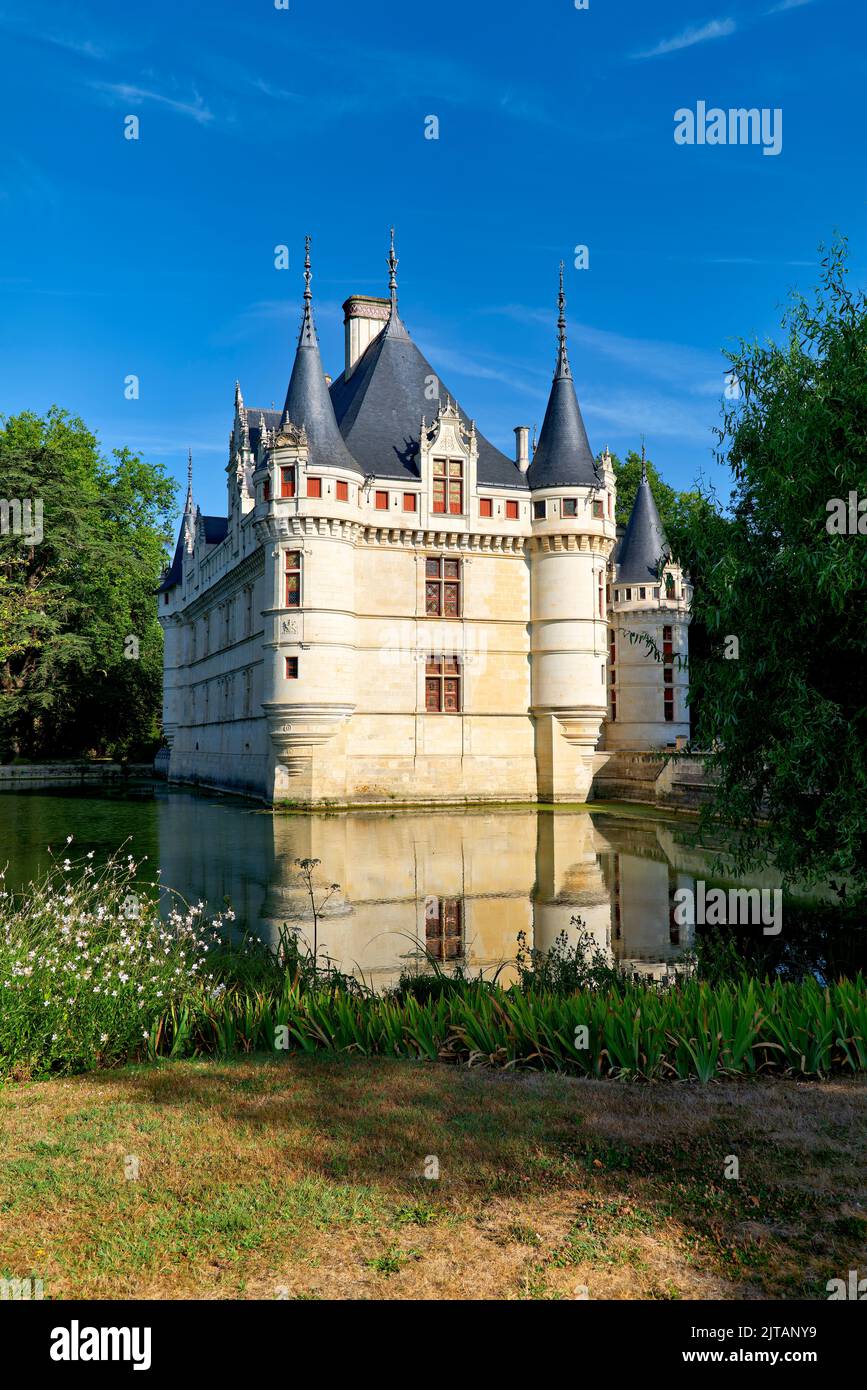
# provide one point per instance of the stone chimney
(364, 317)
(522, 449)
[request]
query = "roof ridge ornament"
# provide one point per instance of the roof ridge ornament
(392, 264)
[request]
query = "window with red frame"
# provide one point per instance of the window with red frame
(409, 501)
(291, 668)
(381, 501)
(485, 506)
(342, 492)
(293, 579)
(512, 511)
(287, 482)
(442, 587)
(442, 685)
(314, 487)
(448, 486)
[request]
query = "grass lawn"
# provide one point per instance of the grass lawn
(303, 1177)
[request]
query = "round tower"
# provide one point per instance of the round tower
(573, 533)
(648, 639)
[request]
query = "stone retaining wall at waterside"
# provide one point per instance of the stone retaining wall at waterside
(654, 779)
(15, 776)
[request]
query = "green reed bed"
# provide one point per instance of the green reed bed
(90, 976)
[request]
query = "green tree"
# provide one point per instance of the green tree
(71, 681)
(782, 689)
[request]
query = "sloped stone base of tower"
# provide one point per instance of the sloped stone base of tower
(566, 753)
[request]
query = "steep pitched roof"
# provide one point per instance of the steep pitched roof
(643, 545)
(379, 410)
(563, 457)
(307, 400)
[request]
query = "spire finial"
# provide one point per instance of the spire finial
(562, 358)
(188, 504)
(392, 274)
(308, 332)
(643, 462)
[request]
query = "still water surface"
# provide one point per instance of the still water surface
(463, 884)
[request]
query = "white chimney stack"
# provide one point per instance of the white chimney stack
(522, 447)
(364, 317)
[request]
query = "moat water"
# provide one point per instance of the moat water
(460, 885)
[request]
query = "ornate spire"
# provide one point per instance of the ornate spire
(239, 399)
(392, 275)
(188, 504)
(643, 462)
(308, 329)
(562, 368)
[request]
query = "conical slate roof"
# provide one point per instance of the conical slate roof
(563, 457)
(307, 400)
(643, 545)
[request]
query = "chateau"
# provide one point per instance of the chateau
(394, 611)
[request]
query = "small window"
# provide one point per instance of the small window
(512, 511)
(642, 593)
(539, 510)
(569, 506)
(598, 508)
(628, 595)
(656, 593)
(291, 668)
(266, 490)
(670, 589)
(668, 707)
(485, 506)
(293, 579)
(381, 502)
(166, 596)
(613, 708)
(314, 487)
(287, 482)
(442, 685)
(442, 587)
(610, 512)
(409, 501)
(342, 492)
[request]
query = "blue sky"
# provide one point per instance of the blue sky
(156, 257)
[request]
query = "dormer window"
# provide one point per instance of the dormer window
(448, 486)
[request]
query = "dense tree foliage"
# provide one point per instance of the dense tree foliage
(782, 690)
(71, 680)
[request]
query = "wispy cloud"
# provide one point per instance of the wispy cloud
(788, 5)
(70, 43)
(136, 96)
(688, 38)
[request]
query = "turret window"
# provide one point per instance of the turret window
(381, 501)
(512, 511)
(266, 490)
(485, 507)
(287, 482)
(314, 487)
(442, 587)
(598, 508)
(341, 491)
(442, 685)
(293, 579)
(409, 501)
(540, 510)
(569, 506)
(291, 668)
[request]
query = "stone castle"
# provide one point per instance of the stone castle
(394, 611)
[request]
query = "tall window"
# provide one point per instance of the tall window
(442, 587)
(612, 671)
(291, 668)
(442, 685)
(444, 928)
(448, 486)
(248, 690)
(287, 482)
(293, 579)
(668, 675)
(670, 589)
(248, 610)
(266, 490)
(600, 589)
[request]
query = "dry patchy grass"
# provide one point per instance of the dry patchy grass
(304, 1178)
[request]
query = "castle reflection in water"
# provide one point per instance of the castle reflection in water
(461, 884)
